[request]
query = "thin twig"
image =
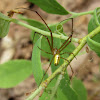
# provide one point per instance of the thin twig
(44, 32)
(56, 86)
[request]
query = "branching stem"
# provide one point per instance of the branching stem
(43, 32)
(81, 42)
(65, 64)
(74, 15)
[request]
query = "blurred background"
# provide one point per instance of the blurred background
(17, 45)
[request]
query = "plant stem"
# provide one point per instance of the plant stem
(56, 86)
(33, 95)
(65, 64)
(43, 32)
(82, 13)
(74, 15)
(70, 58)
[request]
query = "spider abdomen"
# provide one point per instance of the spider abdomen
(56, 59)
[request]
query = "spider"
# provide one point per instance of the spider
(56, 52)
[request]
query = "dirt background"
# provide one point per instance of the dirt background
(17, 45)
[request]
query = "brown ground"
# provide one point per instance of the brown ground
(86, 66)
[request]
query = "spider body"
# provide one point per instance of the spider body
(56, 59)
(56, 54)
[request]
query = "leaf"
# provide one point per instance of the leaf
(60, 95)
(94, 23)
(13, 72)
(66, 89)
(68, 93)
(95, 46)
(50, 6)
(36, 62)
(94, 43)
(59, 28)
(4, 25)
(80, 89)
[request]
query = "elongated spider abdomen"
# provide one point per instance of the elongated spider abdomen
(56, 59)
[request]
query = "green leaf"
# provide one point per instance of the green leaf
(36, 62)
(95, 46)
(80, 89)
(60, 95)
(59, 28)
(66, 89)
(94, 23)
(94, 43)
(50, 6)
(4, 25)
(68, 93)
(13, 72)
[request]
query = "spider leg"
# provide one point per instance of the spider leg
(43, 21)
(44, 51)
(46, 71)
(46, 38)
(65, 42)
(65, 46)
(66, 19)
(70, 67)
(47, 27)
(70, 38)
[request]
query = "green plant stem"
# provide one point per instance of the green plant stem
(82, 13)
(74, 15)
(56, 86)
(65, 64)
(35, 93)
(43, 32)
(70, 58)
